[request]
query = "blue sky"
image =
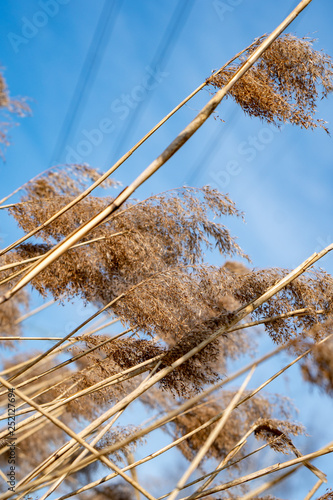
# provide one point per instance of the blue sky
(284, 184)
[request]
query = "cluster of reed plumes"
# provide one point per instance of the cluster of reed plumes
(185, 326)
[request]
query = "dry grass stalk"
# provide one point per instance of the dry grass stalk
(107, 174)
(32, 259)
(268, 429)
(85, 410)
(110, 476)
(313, 490)
(77, 438)
(222, 466)
(54, 349)
(63, 449)
(172, 413)
(211, 438)
(187, 403)
(8, 107)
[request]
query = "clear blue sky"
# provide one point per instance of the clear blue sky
(283, 184)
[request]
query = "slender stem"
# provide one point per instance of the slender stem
(268, 484)
(174, 413)
(73, 332)
(83, 453)
(226, 459)
(297, 312)
(314, 490)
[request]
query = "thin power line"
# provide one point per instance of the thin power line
(87, 75)
(159, 60)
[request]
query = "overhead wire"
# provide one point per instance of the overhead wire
(97, 47)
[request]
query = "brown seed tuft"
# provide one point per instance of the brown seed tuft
(285, 83)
